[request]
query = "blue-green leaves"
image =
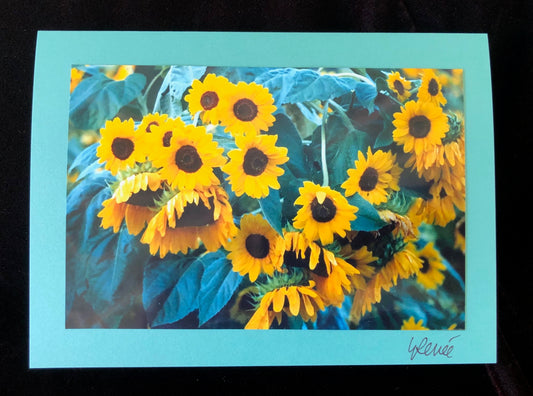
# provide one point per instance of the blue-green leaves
(368, 218)
(177, 80)
(99, 98)
(291, 85)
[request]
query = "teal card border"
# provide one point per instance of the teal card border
(53, 346)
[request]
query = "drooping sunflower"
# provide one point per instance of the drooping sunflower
(324, 213)
(374, 177)
(248, 108)
(331, 274)
(430, 275)
(291, 300)
(188, 218)
(441, 207)
(118, 146)
(188, 161)
(133, 200)
(253, 167)
(410, 324)
(420, 126)
(399, 85)
(431, 89)
(361, 259)
(403, 264)
(257, 248)
(206, 96)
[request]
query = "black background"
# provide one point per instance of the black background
(507, 24)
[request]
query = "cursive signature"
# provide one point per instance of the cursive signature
(427, 348)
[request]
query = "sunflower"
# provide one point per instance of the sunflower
(158, 133)
(189, 160)
(374, 177)
(361, 259)
(399, 85)
(206, 96)
(441, 206)
(145, 129)
(293, 300)
(410, 324)
(253, 167)
(333, 288)
(324, 212)
(133, 200)
(248, 108)
(403, 264)
(403, 225)
(257, 248)
(431, 89)
(420, 126)
(118, 148)
(188, 218)
(430, 275)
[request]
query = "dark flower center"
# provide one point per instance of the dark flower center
(149, 126)
(399, 87)
(145, 198)
(433, 87)
(257, 245)
(369, 179)
(442, 193)
(122, 148)
(166, 138)
(419, 126)
(245, 109)
(425, 265)
(255, 162)
(209, 100)
(187, 159)
(197, 215)
(323, 212)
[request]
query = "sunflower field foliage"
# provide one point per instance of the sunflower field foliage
(265, 198)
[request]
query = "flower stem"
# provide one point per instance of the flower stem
(325, 175)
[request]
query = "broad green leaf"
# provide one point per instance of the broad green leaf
(289, 137)
(176, 82)
(99, 98)
(219, 282)
(271, 208)
(236, 74)
(367, 216)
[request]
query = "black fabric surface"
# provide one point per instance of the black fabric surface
(507, 24)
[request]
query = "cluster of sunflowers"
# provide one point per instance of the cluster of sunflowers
(175, 184)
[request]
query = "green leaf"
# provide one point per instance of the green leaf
(219, 282)
(289, 137)
(367, 216)
(177, 81)
(271, 207)
(99, 98)
(236, 74)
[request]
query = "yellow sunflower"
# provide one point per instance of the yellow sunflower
(292, 300)
(145, 129)
(399, 85)
(189, 160)
(430, 275)
(188, 218)
(431, 89)
(440, 209)
(324, 213)
(420, 126)
(253, 167)
(206, 96)
(118, 148)
(360, 259)
(248, 108)
(133, 200)
(402, 265)
(410, 324)
(160, 134)
(374, 177)
(257, 248)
